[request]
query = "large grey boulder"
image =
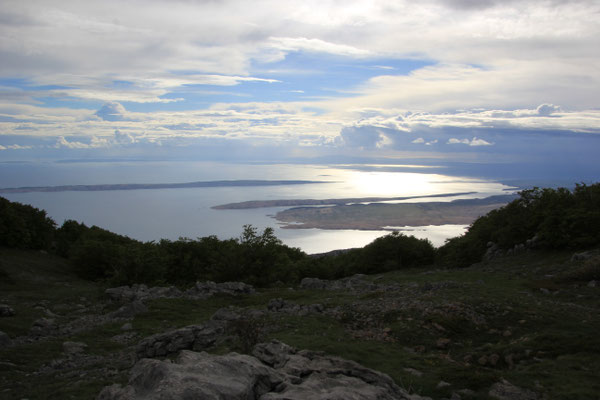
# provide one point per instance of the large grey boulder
(276, 371)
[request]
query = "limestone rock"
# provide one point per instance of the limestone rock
(505, 390)
(129, 310)
(275, 372)
(200, 290)
(193, 337)
(288, 307)
(72, 348)
(6, 310)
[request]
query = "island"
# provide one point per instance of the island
(140, 186)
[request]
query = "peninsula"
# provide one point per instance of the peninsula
(380, 216)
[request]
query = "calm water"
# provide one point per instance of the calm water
(172, 213)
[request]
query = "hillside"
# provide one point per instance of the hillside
(529, 319)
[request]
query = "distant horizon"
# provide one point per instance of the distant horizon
(501, 90)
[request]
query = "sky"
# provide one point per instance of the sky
(505, 87)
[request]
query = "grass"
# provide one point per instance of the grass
(495, 309)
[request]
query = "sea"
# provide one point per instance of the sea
(154, 214)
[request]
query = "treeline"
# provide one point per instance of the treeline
(556, 218)
(551, 218)
(257, 258)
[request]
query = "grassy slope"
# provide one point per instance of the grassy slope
(553, 337)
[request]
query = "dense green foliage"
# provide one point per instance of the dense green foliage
(24, 227)
(553, 218)
(556, 218)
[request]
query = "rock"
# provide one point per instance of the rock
(43, 327)
(413, 371)
(505, 390)
(226, 314)
(5, 340)
(274, 372)
(127, 326)
(200, 290)
(355, 282)
(586, 255)
(284, 306)
(592, 283)
(6, 310)
(443, 343)
(443, 384)
(493, 359)
(207, 289)
(72, 348)
(129, 310)
(193, 337)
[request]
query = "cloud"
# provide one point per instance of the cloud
(123, 138)
(473, 142)
(547, 109)
(418, 141)
(365, 137)
(112, 111)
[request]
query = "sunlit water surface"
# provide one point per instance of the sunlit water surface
(173, 213)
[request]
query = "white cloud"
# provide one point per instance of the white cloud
(112, 111)
(473, 142)
(418, 140)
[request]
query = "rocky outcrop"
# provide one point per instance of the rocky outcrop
(201, 290)
(275, 371)
(193, 337)
(355, 282)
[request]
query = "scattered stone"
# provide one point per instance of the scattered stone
(544, 290)
(505, 390)
(127, 326)
(507, 333)
(73, 348)
(483, 360)
(413, 371)
(43, 327)
(129, 310)
(5, 340)
(355, 282)
(288, 307)
(592, 283)
(443, 343)
(6, 310)
(201, 290)
(274, 372)
(443, 384)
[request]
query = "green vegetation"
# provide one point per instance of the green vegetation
(551, 218)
